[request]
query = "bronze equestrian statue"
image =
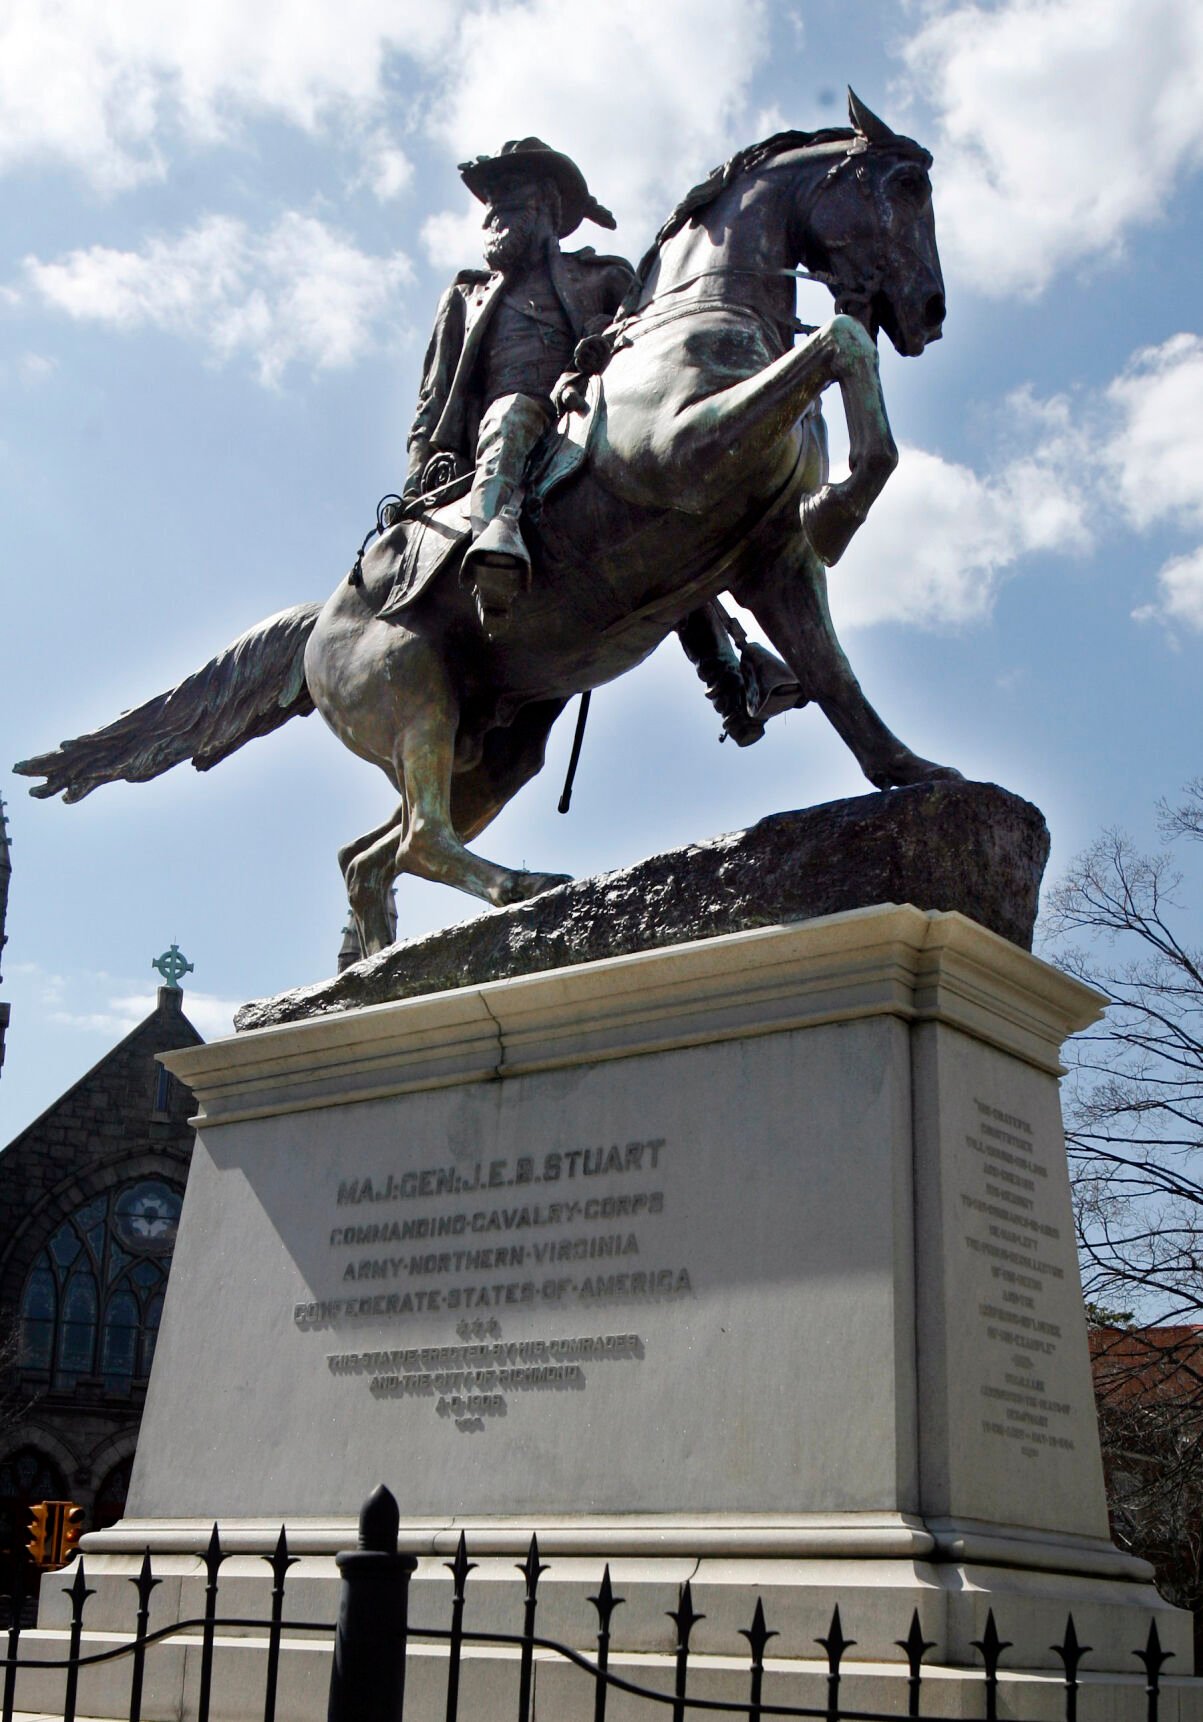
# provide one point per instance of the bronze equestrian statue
(500, 372)
(699, 467)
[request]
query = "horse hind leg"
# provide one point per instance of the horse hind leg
(427, 844)
(357, 845)
(368, 872)
(789, 600)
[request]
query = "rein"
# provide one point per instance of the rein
(731, 269)
(628, 332)
(846, 293)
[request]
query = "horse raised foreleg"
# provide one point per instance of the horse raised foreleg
(733, 436)
(832, 515)
(789, 600)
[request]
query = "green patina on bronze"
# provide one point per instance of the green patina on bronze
(700, 468)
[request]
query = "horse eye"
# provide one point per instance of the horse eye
(912, 181)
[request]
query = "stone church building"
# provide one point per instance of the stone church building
(90, 1197)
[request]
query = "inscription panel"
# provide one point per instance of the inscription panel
(1008, 1419)
(433, 1237)
(1023, 1339)
(475, 1379)
(582, 1290)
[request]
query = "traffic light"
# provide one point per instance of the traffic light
(39, 1532)
(72, 1524)
(55, 1528)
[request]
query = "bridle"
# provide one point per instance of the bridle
(853, 293)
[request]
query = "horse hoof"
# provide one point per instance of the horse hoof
(914, 770)
(829, 524)
(521, 887)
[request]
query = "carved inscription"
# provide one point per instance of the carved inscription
(1008, 1234)
(470, 1381)
(503, 1174)
(572, 1228)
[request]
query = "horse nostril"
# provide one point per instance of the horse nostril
(934, 311)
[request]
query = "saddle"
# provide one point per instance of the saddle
(431, 541)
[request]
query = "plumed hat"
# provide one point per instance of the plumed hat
(531, 158)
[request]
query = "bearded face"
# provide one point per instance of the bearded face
(519, 222)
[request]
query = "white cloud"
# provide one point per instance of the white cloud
(36, 367)
(30, 370)
(108, 90)
(645, 97)
(648, 95)
(1153, 462)
(1062, 125)
(121, 1012)
(300, 293)
(213, 1017)
(1180, 589)
(113, 1005)
(940, 538)
(1156, 454)
(452, 239)
(385, 168)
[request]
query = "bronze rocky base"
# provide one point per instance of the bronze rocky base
(967, 846)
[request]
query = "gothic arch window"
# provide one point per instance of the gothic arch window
(29, 1475)
(93, 1298)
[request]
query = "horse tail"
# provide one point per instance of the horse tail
(250, 689)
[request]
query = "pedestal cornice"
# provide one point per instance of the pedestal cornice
(891, 960)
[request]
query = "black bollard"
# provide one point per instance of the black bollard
(367, 1682)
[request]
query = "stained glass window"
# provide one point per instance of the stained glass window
(148, 1214)
(119, 1351)
(65, 1245)
(162, 1089)
(77, 1330)
(150, 1332)
(92, 1303)
(38, 1310)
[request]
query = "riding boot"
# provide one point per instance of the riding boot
(497, 563)
(708, 647)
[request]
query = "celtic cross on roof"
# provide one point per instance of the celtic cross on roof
(172, 965)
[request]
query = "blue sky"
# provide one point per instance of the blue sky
(224, 234)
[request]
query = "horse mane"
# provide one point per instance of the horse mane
(745, 161)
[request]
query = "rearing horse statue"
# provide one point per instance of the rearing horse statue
(700, 468)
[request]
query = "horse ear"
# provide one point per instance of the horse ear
(866, 121)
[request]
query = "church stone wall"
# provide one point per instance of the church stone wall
(122, 1128)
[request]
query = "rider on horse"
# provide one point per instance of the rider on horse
(499, 371)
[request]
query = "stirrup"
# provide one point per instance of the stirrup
(727, 695)
(500, 543)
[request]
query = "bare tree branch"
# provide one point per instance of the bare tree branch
(1134, 1131)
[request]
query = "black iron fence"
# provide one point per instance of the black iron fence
(373, 1632)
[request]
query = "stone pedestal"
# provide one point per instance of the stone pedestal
(748, 1261)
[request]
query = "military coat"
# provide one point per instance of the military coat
(590, 289)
